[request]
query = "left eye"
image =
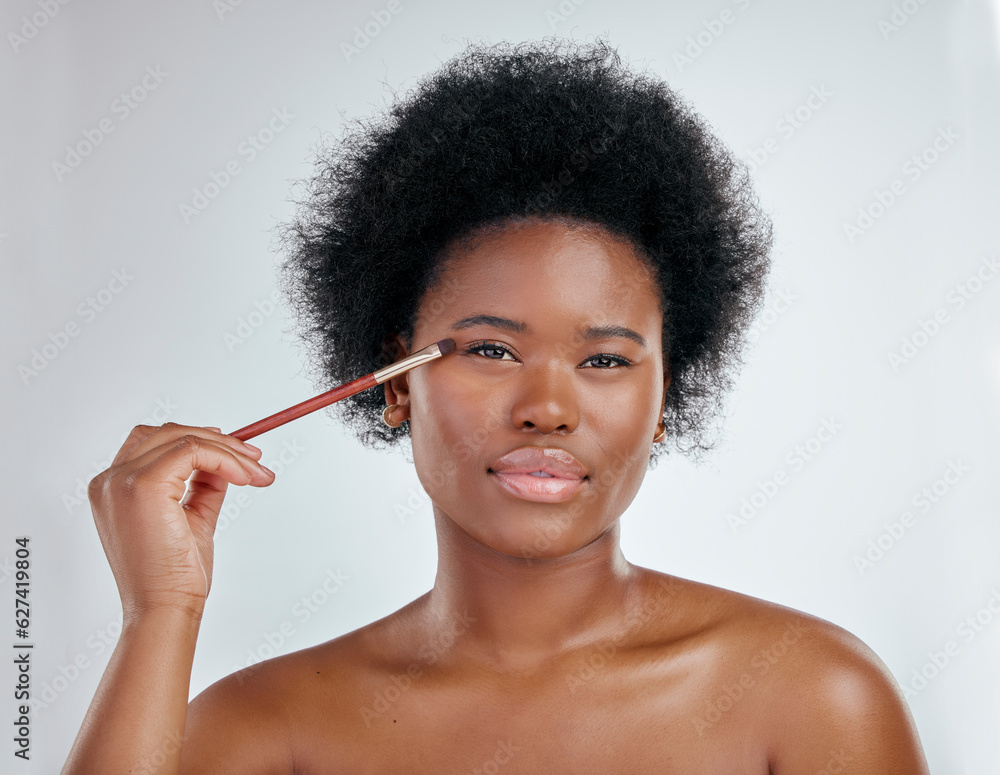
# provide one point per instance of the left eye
(480, 347)
(616, 360)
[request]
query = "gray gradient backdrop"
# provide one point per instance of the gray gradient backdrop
(870, 390)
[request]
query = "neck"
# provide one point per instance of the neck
(514, 612)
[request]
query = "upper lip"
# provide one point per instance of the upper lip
(551, 460)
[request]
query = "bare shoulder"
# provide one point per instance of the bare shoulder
(819, 696)
(265, 717)
(239, 724)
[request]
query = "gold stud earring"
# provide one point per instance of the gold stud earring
(385, 416)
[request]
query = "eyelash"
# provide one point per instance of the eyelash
(620, 360)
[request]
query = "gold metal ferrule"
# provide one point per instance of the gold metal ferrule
(428, 353)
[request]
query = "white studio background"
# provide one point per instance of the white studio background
(859, 445)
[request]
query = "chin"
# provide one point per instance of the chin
(556, 532)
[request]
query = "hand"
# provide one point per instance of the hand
(156, 508)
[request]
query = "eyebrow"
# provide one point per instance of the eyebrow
(518, 327)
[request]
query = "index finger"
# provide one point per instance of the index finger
(145, 437)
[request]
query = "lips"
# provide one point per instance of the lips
(541, 474)
(549, 460)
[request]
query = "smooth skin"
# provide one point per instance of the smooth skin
(540, 648)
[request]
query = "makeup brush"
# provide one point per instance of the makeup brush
(429, 353)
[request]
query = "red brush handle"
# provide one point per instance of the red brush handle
(310, 405)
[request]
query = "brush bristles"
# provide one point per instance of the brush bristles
(446, 345)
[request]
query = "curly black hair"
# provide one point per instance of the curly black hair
(551, 129)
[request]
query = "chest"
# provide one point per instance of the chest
(607, 722)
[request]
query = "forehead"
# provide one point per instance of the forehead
(546, 269)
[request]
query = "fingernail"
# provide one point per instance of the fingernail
(251, 446)
(267, 469)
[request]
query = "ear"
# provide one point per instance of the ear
(666, 386)
(663, 402)
(397, 389)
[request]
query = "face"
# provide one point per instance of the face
(557, 364)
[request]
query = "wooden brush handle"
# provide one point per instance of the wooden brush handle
(307, 406)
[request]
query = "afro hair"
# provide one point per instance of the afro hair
(551, 129)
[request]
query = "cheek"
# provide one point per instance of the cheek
(450, 422)
(624, 430)
(619, 477)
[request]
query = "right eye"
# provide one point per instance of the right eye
(486, 347)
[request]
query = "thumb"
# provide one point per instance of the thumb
(204, 496)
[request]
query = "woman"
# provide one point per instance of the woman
(596, 256)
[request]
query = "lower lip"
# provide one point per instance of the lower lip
(542, 489)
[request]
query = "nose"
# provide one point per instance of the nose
(546, 400)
